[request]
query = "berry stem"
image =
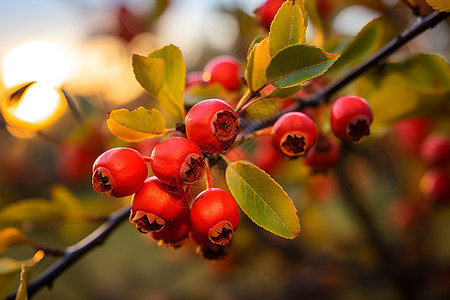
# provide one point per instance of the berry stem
(209, 184)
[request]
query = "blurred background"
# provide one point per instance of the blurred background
(375, 226)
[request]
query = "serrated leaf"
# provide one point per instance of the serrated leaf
(258, 61)
(149, 73)
(262, 199)
(288, 26)
(172, 90)
(136, 125)
(441, 5)
(11, 236)
(298, 63)
(365, 43)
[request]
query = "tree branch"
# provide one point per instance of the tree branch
(76, 251)
(325, 94)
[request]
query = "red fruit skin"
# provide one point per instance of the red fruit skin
(346, 110)
(125, 168)
(294, 122)
(324, 154)
(177, 233)
(200, 128)
(266, 12)
(225, 70)
(211, 207)
(169, 156)
(435, 184)
(408, 134)
(435, 150)
(155, 197)
(266, 156)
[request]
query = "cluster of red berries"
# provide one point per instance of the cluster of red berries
(295, 133)
(160, 203)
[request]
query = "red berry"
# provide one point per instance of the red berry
(157, 205)
(435, 184)
(435, 149)
(351, 117)
(324, 154)
(119, 172)
(177, 161)
(213, 125)
(408, 134)
(175, 234)
(294, 134)
(266, 12)
(215, 216)
(225, 70)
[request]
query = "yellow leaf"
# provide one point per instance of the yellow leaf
(258, 61)
(136, 125)
(11, 236)
(441, 5)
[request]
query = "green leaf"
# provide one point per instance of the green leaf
(441, 5)
(263, 109)
(136, 125)
(284, 92)
(66, 201)
(298, 63)
(11, 236)
(258, 61)
(172, 89)
(149, 73)
(288, 26)
(262, 199)
(365, 43)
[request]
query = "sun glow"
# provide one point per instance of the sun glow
(37, 61)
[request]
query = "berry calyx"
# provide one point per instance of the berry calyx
(177, 161)
(215, 216)
(294, 134)
(119, 172)
(157, 205)
(225, 70)
(213, 125)
(351, 117)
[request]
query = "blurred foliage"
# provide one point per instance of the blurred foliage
(404, 255)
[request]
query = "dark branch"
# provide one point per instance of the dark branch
(76, 251)
(325, 94)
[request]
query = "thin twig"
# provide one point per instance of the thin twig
(76, 251)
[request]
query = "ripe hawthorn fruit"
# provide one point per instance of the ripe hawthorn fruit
(213, 125)
(157, 205)
(177, 161)
(225, 70)
(215, 216)
(119, 172)
(351, 117)
(294, 134)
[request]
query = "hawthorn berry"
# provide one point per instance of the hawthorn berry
(194, 79)
(213, 125)
(294, 134)
(225, 70)
(266, 12)
(435, 185)
(175, 234)
(156, 205)
(119, 172)
(215, 216)
(177, 161)
(435, 150)
(351, 117)
(324, 154)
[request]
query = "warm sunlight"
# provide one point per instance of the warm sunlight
(37, 61)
